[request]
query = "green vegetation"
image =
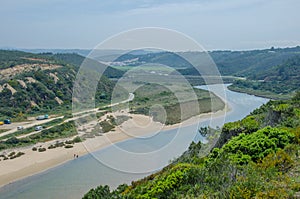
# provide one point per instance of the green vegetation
(106, 126)
(147, 96)
(3, 130)
(247, 63)
(279, 82)
(32, 129)
(76, 60)
(111, 122)
(237, 63)
(60, 131)
(11, 155)
(164, 58)
(46, 90)
(272, 73)
(10, 58)
(256, 157)
(42, 149)
(63, 130)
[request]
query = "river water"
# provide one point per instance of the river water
(125, 161)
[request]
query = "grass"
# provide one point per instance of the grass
(170, 108)
(260, 93)
(32, 129)
(156, 68)
(3, 130)
(64, 130)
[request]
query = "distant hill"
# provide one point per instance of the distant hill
(245, 63)
(10, 58)
(238, 63)
(279, 82)
(166, 58)
(76, 60)
(82, 52)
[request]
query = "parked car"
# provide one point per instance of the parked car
(38, 128)
(7, 121)
(1, 123)
(20, 127)
(42, 117)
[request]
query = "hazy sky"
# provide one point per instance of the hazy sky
(215, 24)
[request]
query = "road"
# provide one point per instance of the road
(14, 126)
(40, 122)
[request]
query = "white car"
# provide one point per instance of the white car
(20, 127)
(38, 128)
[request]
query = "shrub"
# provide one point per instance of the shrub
(42, 149)
(51, 147)
(69, 142)
(68, 146)
(12, 154)
(257, 145)
(59, 144)
(77, 139)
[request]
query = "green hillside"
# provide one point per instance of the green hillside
(166, 58)
(76, 60)
(279, 82)
(238, 63)
(149, 95)
(245, 63)
(42, 83)
(256, 157)
(10, 58)
(271, 73)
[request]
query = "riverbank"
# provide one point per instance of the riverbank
(260, 93)
(34, 162)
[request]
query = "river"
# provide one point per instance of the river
(125, 161)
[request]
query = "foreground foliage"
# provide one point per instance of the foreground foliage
(257, 157)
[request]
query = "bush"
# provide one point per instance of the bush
(68, 146)
(19, 154)
(106, 126)
(59, 144)
(12, 154)
(77, 139)
(51, 147)
(69, 142)
(16, 155)
(42, 149)
(257, 145)
(34, 148)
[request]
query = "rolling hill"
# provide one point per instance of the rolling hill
(279, 82)
(42, 83)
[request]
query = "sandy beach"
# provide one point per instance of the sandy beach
(34, 162)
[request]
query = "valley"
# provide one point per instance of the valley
(151, 99)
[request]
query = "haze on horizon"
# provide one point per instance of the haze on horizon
(216, 24)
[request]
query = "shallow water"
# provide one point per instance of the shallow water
(125, 161)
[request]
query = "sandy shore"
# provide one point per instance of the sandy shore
(35, 162)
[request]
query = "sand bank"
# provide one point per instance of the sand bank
(34, 162)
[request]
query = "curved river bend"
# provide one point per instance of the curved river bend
(74, 178)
